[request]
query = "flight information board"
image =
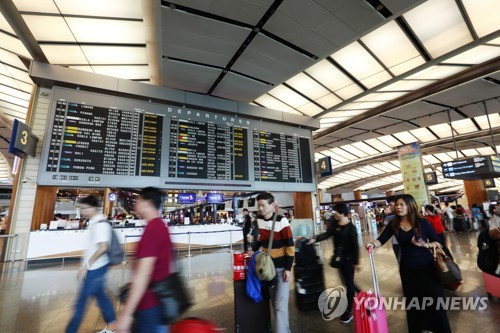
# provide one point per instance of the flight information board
(207, 150)
(98, 140)
(279, 157)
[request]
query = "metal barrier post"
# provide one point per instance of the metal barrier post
(14, 249)
(231, 241)
(125, 251)
(189, 244)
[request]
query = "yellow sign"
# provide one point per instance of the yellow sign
(413, 173)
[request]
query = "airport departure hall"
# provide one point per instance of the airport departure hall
(256, 123)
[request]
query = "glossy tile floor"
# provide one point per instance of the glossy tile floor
(41, 299)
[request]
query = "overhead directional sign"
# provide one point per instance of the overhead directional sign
(22, 141)
(430, 178)
(474, 168)
(489, 183)
(324, 167)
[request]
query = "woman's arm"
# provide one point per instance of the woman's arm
(386, 234)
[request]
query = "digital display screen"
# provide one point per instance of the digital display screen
(207, 151)
(186, 198)
(280, 157)
(214, 198)
(101, 140)
(95, 140)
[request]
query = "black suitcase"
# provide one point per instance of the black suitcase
(459, 224)
(251, 317)
(309, 284)
(305, 254)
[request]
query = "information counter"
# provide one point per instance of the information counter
(72, 243)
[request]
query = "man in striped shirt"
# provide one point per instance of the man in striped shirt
(282, 253)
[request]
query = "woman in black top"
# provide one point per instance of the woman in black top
(345, 243)
(418, 275)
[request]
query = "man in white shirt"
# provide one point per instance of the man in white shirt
(94, 266)
(448, 212)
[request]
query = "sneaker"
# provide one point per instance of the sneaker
(346, 317)
(105, 330)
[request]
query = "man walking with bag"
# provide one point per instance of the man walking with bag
(282, 254)
(142, 312)
(94, 268)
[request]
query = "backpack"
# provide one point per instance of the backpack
(115, 252)
(487, 258)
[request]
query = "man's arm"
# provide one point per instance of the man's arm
(141, 279)
(102, 248)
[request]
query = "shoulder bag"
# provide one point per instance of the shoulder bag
(447, 270)
(264, 266)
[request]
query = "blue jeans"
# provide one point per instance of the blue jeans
(93, 285)
(149, 321)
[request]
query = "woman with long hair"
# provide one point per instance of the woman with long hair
(419, 279)
(345, 243)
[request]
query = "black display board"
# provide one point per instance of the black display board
(100, 140)
(474, 168)
(207, 151)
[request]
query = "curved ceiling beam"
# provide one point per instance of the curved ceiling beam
(383, 157)
(17, 23)
(466, 75)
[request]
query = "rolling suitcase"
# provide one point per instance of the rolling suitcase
(251, 317)
(305, 254)
(308, 276)
(309, 284)
(369, 316)
(195, 325)
(459, 224)
(492, 285)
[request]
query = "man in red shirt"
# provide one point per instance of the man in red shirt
(142, 312)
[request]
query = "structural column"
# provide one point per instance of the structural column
(303, 205)
(475, 192)
(45, 203)
(389, 193)
(358, 195)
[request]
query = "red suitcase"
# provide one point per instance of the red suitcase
(368, 309)
(492, 285)
(195, 325)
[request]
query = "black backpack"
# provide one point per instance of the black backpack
(487, 257)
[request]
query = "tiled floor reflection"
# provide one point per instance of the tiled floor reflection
(41, 299)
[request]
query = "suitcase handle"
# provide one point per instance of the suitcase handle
(374, 273)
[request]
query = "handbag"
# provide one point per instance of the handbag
(337, 259)
(124, 291)
(447, 270)
(174, 297)
(172, 293)
(264, 265)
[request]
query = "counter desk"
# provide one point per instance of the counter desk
(45, 244)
